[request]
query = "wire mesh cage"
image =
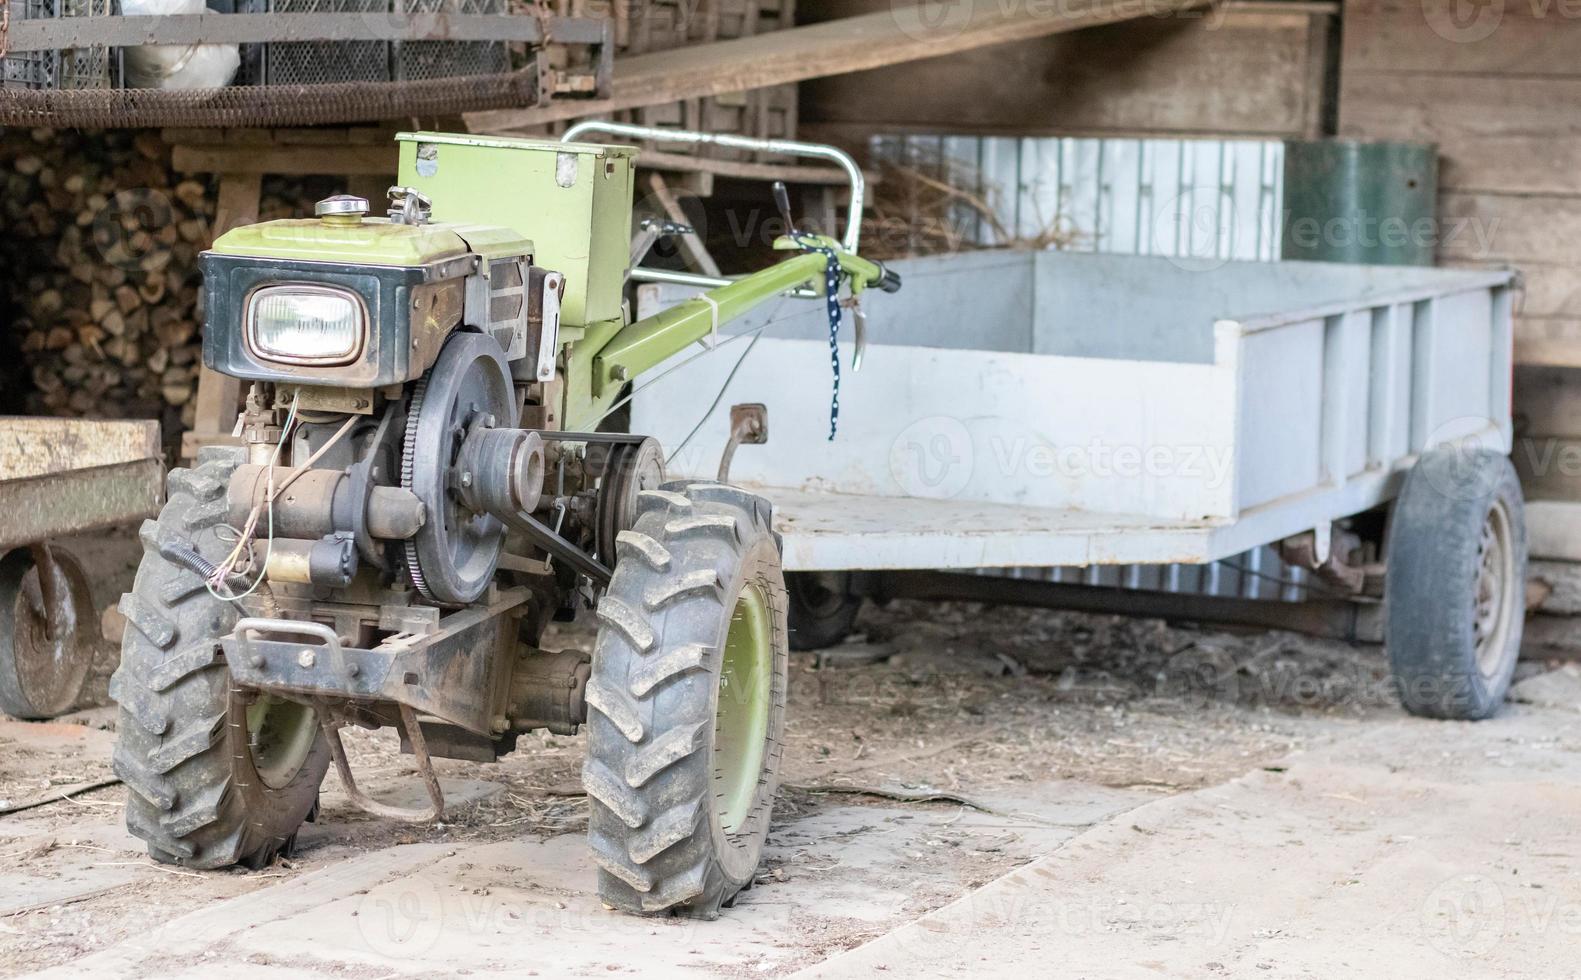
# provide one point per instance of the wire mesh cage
(417, 61)
(326, 62)
(31, 69)
(78, 68)
(94, 66)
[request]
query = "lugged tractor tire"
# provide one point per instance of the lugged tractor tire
(183, 745)
(682, 768)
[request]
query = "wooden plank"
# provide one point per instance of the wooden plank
(1514, 228)
(1537, 37)
(850, 44)
(291, 161)
(1516, 135)
(1548, 341)
(1236, 72)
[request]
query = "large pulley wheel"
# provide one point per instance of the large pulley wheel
(452, 558)
(629, 469)
(46, 634)
(687, 700)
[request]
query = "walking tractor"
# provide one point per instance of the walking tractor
(428, 477)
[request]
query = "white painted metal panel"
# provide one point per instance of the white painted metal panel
(1302, 412)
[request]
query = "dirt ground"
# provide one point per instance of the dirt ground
(928, 759)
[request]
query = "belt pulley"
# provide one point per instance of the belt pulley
(452, 558)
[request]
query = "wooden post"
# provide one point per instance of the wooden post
(219, 396)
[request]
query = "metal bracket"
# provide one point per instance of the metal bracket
(425, 768)
(749, 426)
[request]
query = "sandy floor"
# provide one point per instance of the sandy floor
(938, 752)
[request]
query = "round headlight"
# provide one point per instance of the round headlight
(306, 324)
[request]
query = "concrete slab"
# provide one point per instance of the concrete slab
(1420, 849)
(428, 909)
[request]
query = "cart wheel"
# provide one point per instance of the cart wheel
(1455, 586)
(688, 702)
(46, 647)
(822, 608)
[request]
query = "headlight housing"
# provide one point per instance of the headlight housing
(301, 323)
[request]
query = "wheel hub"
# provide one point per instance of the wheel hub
(1491, 599)
(745, 694)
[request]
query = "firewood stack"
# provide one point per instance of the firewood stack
(99, 242)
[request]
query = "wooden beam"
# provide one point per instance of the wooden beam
(287, 161)
(890, 37)
(691, 244)
(1243, 71)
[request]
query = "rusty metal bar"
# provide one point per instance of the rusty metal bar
(1331, 618)
(212, 28)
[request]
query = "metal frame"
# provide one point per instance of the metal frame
(456, 673)
(858, 183)
(211, 28)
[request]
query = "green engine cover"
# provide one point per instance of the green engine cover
(573, 200)
(372, 241)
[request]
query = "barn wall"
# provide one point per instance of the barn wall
(1237, 69)
(1498, 87)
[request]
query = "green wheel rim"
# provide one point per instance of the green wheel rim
(746, 693)
(280, 735)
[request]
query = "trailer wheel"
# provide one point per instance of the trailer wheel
(688, 702)
(1455, 584)
(216, 776)
(822, 608)
(46, 648)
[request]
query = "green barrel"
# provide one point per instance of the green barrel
(1352, 201)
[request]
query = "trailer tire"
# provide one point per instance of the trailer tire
(687, 702)
(1455, 583)
(822, 609)
(42, 676)
(185, 735)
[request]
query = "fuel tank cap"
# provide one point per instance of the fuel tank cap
(341, 206)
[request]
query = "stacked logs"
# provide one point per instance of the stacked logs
(99, 287)
(100, 246)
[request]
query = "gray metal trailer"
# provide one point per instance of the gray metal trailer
(1144, 415)
(61, 477)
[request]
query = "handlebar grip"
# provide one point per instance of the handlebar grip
(889, 282)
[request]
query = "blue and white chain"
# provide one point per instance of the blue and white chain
(832, 300)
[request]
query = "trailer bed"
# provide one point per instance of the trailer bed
(1111, 409)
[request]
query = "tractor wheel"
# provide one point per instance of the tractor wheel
(688, 699)
(822, 609)
(1455, 586)
(216, 776)
(46, 649)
